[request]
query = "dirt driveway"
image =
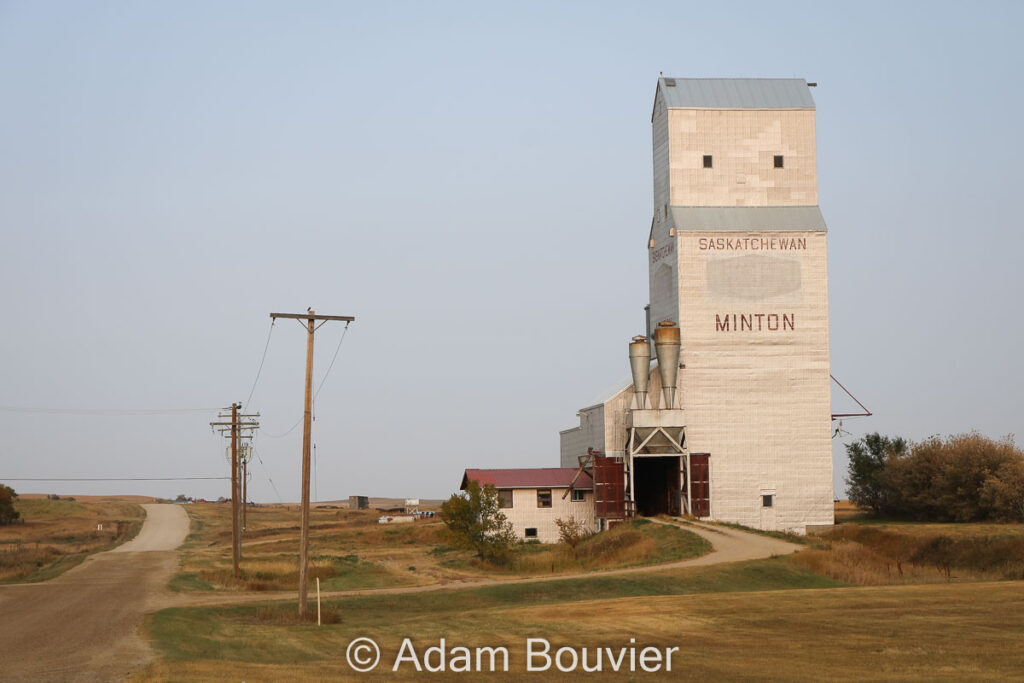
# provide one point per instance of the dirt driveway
(83, 625)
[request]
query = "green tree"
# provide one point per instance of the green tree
(7, 512)
(1002, 493)
(959, 478)
(475, 521)
(866, 478)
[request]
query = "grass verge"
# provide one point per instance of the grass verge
(266, 632)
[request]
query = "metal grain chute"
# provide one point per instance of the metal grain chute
(666, 342)
(640, 365)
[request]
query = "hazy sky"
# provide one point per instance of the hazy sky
(472, 181)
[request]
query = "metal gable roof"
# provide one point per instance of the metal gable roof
(736, 93)
(747, 218)
(540, 477)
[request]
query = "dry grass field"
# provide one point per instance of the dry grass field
(55, 535)
(838, 610)
(938, 632)
(350, 550)
(871, 552)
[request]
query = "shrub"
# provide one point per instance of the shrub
(571, 531)
(7, 512)
(866, 480)
(475, 521)
(962, 478)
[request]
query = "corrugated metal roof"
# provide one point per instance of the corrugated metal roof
(748, 218)
(736, 93)
(539, 477)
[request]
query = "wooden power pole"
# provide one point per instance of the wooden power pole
(234, 428)
(311, 319)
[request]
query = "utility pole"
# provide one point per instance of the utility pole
(235, 428)
(311, 318)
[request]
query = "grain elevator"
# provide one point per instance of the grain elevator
(728, 414)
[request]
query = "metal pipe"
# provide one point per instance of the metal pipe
(640, 366)
(666, 341)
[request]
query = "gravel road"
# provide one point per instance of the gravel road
(84, 624)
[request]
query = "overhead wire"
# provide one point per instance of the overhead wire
(259, 371)
(248, 401)
(290, 430)
(104, 411)
(267, 472)
(111, 478)
(337, 349)
(333, 358)
(319, 387)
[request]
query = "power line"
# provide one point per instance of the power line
(311, 318)
(111, 478)
(267, 472)
(334, 358)
(319, 386)
(262, 360)
(104, 411)
(290, 430)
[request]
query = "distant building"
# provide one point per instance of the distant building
(532, 499)
(358, 503)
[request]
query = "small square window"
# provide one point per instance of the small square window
(578, 495)
(531, 532)
(543, 498)
(778, 161)
(504, 498)
(708, 161)
(767, 500)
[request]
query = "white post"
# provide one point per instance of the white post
(318, 601)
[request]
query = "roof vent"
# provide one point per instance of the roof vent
(670, 82)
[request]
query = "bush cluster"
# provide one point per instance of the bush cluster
(7, 512)
(960, 478)
(475, 521)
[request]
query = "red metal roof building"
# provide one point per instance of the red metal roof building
(533, 478)
(534, 500)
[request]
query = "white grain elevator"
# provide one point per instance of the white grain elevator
(737, 259)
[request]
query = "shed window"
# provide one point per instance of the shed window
(531, 532)
(543, 498)
(504, 498)
(578, 495)
(707, 160)
(778, 161)
(767, 500)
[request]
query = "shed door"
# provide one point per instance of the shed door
(609, 487)
(700, 484)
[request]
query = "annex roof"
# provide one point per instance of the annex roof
(736, 93)
(747, 218)
(533, 478)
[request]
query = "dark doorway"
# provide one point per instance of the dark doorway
(656, 485)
